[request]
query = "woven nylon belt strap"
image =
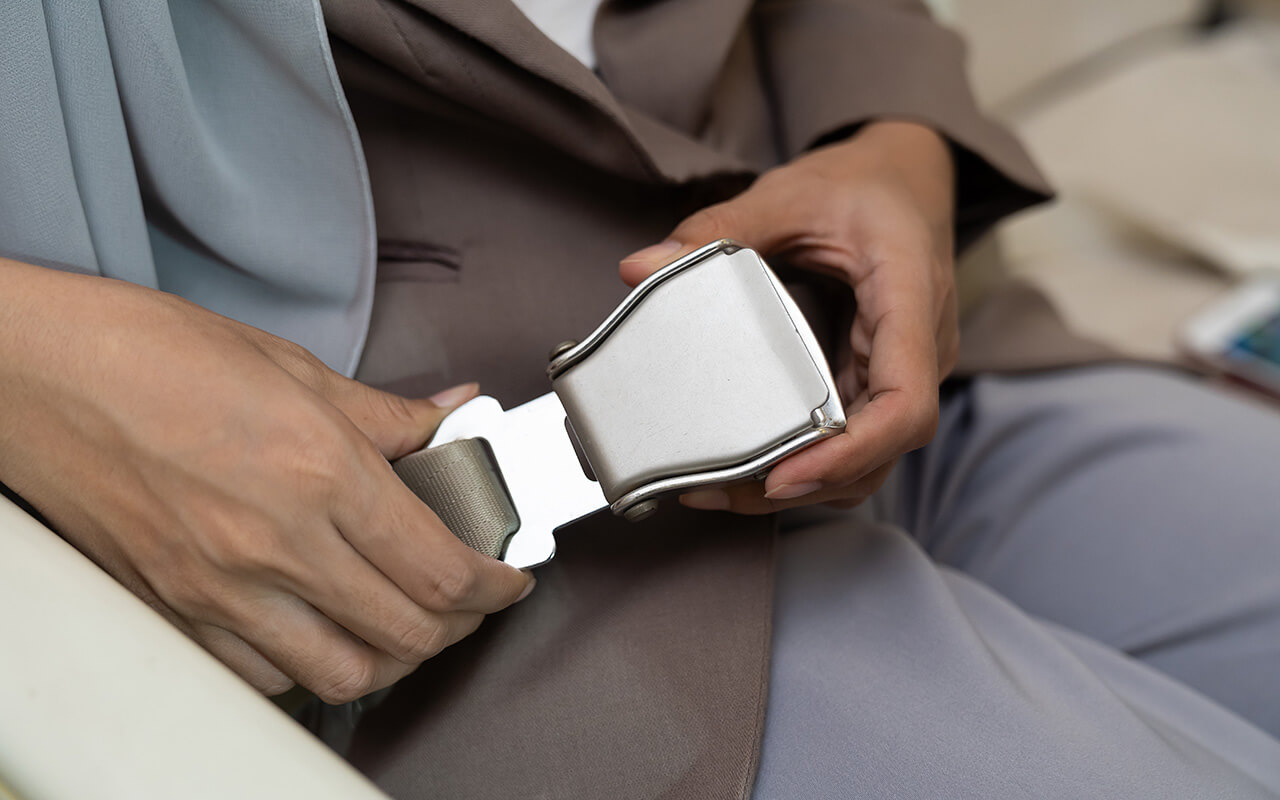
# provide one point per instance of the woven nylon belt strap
(460, 482)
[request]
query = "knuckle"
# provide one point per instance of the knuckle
(829, 191)
(391, 406)
(297, 361)
(147, 593)
(350, 678)
(421, 640)
(197, 596)
(238, 556)
(924, 423)
(712, 222)
(316, 459)
(454, 583)
(843, 460)
(238, 546)
(357, 401)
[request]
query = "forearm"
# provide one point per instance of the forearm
(29, 296)
(31, 343)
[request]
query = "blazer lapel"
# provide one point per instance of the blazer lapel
(509, 34)
(486, 55)
(644, 49)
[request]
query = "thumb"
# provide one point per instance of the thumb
(745, 218)
(398, 425)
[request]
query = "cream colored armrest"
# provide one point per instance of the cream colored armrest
(101, 698)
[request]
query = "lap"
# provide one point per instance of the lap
(1091, 592)
(892, 677)
(1133, 505)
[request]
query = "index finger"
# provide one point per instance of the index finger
(902, 386)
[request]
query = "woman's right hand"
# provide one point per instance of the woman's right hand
(235, 483)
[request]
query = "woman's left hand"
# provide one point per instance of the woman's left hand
(876, 210)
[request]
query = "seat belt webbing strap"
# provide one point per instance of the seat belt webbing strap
(460, 482)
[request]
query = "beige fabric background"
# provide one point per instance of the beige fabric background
(1161, 141)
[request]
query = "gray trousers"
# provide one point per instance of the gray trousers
(1073, 592)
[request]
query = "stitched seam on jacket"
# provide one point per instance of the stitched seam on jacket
(766, 651)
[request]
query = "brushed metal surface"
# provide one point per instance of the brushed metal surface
(710, 369)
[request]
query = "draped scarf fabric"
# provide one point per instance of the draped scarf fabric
(201, 147)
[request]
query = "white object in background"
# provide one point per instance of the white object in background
(1182, 144)
(1238, 333)
(568, 23)
(943, 10)
(101, 698)
(1017, 44)
(1165, 160)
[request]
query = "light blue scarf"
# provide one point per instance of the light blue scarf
(201, 147)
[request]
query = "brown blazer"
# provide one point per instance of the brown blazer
(508, 180)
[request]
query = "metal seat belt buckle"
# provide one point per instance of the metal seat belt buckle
(705, 375)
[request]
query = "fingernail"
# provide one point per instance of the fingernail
(656, 252)
(790, 491)
(528, 587)
(455, 396)
(706, 500)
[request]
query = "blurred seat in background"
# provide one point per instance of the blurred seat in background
(1159, 122)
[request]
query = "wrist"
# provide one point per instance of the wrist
(23, 285)
(917, 156)
(51, 323)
